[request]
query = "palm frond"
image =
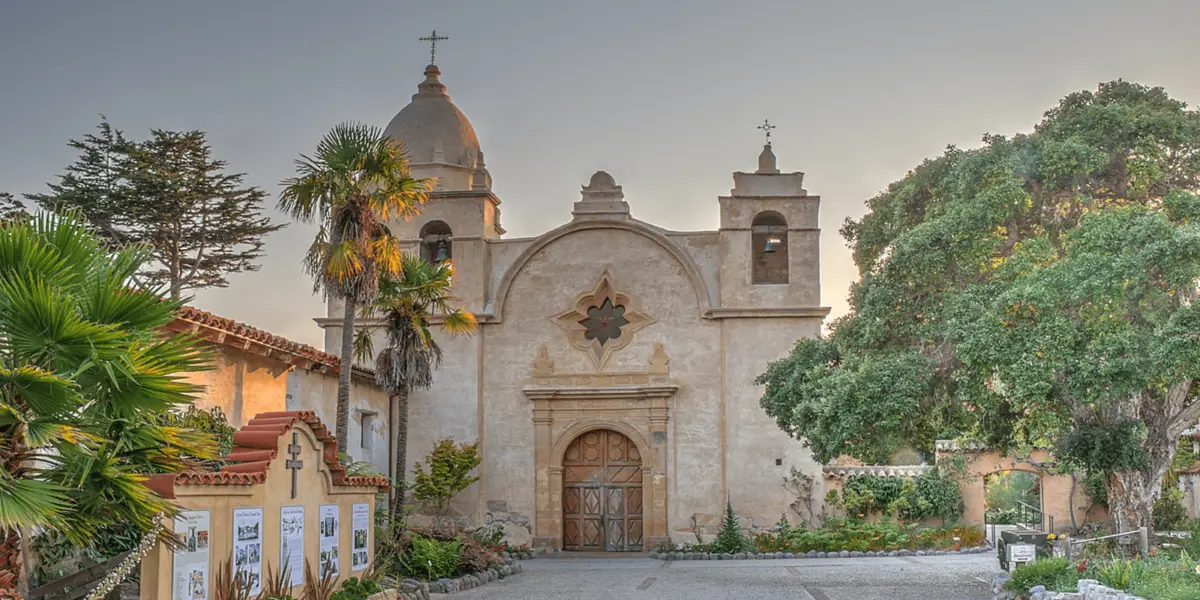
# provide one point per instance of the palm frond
(26, 503)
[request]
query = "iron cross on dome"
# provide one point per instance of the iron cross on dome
(433, 39)
(294, 463)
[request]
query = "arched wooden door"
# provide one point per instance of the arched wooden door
(602, 493)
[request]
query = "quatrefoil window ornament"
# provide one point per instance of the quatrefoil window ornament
(602, 321)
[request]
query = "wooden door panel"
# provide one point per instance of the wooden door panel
(602, 493)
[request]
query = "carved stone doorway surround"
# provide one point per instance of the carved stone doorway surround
(566, 405)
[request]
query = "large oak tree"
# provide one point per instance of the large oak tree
(1036, 292)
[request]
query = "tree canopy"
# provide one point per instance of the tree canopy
(1035, 292)
(169, 193)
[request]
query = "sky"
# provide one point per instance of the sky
(665, 95)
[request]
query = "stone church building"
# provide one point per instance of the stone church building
(610, 383)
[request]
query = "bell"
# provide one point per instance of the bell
(769, 247)
(443, 251)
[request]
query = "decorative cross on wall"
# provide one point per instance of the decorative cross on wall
(294, 463)
(767, 127)
(433, 39)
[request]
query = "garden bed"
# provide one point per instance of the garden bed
(412, 589)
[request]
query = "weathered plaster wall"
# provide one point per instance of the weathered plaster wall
(242, 384)
(546, 286)
(755, 442)
(317, 391)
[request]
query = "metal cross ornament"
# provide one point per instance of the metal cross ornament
(433, 39)
(767, 127)
(294, 463)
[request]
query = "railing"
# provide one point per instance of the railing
(82, 581)
(1143, 534)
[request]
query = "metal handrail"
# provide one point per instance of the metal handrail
(1143, 534)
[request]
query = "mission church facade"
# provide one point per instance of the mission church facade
(610, 382)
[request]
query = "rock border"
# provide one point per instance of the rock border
(1086, 589)
(812, 554)
(412, 589)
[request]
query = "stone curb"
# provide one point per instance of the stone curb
(412, 589)
(812, 554)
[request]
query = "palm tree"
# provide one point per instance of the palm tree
(356, 181)
(85, 374)
(406, 305)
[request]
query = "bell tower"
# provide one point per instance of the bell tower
(770, 236)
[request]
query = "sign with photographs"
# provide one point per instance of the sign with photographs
(291, 536)
(247, 547)
(189, 575)
(329, 529)
(359, 557)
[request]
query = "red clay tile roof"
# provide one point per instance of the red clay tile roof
(239, 335)
(255, 446)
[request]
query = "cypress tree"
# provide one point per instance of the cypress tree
(169, 193)
(11, 208)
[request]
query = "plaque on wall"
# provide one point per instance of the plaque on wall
(189, 573)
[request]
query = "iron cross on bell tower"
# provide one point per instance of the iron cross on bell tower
(433, 39)
(767, 127)
(294, 463)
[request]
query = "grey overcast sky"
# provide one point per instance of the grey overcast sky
(665, 95)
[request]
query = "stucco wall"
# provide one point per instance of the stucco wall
(314, 487)
(244, 384)
(317, 391)
(755, 441)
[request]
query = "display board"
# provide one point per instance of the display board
(190, 567)
(291, 536)
(330, 528)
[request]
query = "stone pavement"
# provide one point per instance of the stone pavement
(568, 577)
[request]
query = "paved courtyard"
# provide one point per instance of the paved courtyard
(565, 576)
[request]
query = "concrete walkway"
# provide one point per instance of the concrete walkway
(564, 576)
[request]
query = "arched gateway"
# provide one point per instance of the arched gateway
(602, 493)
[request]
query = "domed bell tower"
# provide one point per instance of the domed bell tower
(461, 211)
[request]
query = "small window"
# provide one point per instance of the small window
(436, 244)
(368, 431)
(769, 248)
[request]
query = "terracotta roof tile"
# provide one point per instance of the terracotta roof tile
(193, 315)
(255, 446)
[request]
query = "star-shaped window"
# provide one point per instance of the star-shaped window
(604, 322)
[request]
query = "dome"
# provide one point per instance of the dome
(432, 128)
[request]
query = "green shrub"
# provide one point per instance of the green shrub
(1055, 573)
(356, 589)
(1169, 511)
(933, 494)
(430, 559)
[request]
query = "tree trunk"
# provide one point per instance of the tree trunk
(347, 367)
(10, 564)
(401, 449)
(1131, 494)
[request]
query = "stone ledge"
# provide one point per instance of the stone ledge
(876, 470)
(812, 554)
